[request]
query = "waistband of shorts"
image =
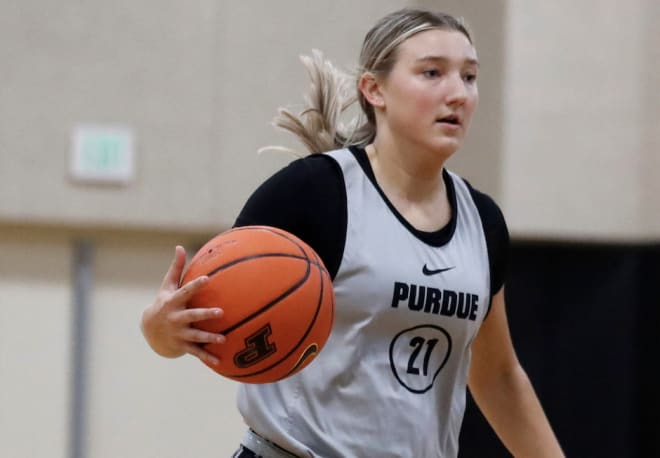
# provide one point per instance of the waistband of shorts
(263, 447)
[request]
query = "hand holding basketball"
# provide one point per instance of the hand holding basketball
(166, 324)
(277, 300)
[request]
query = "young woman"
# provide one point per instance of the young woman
(417, 258)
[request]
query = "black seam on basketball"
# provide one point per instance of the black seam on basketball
(255, 256)
(270, 304)
(272, 230)
(297, 345)
(317, 261)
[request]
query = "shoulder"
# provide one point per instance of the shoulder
(305, 170)
(307, 198)
(303, 182)
(489, 211)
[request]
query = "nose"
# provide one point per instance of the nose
(457, 93)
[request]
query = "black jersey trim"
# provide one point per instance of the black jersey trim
(434, 238)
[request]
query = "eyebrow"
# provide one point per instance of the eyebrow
(443, 59)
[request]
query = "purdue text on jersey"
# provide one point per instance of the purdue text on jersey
(436, 301)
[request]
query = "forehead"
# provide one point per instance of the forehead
(447, 44)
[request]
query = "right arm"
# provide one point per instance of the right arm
(167, 323)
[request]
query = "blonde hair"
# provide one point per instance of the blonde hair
(333, 91)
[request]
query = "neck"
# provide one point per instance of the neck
(415, 187)
(411, 174)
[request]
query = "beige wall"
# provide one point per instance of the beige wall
(141, 404)
(147, 65)
(581, 149)
(35, 331)
(649, 97)
(565, 137)
(199, 87)
(137, 404)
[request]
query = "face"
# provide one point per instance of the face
(430, 95)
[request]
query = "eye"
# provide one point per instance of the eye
(431, 73)
(470, 78)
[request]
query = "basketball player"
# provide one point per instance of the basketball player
(417, 256)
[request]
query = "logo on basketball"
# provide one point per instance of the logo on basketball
(418, 354)
(257, 348)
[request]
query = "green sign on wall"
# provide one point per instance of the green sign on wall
(102, 154)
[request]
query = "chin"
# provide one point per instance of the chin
(445, 148)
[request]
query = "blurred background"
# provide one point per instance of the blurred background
(129, 127)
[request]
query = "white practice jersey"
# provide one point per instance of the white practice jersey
(391, 380)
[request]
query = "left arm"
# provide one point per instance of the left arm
(504, 393)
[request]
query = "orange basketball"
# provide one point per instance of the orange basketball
(277, 297)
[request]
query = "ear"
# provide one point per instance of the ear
(370, 86)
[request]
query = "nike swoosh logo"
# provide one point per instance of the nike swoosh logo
(311, 351)
(427, 271)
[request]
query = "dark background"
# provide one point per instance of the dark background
(584, 320)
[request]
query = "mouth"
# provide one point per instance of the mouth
(453, 120)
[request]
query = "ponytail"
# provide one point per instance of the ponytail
(319, 126)
(333, 91)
